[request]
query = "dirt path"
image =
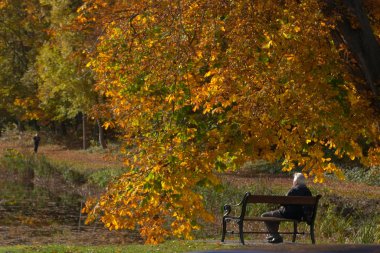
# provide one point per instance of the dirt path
(80, 158)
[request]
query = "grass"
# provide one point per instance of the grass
(167, 247)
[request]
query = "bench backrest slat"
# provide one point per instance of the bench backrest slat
(289, 200)
(311, 201)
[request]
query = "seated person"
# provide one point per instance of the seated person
(289, 211)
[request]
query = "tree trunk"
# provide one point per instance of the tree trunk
(84, 125)
(63, 129)
(354, 30)
(101, 134)
(20, 126)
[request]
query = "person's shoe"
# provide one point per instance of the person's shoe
(269, 237)
(276, 240)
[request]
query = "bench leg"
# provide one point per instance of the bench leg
(295, 231)
(224, 231)
(241, 231)
(312, 233)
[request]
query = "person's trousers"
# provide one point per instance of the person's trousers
(273, 226)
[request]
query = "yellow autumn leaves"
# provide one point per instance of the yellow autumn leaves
(199, 87)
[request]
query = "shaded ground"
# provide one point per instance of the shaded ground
(45, 211)
(27, 235)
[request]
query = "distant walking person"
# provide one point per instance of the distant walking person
(36, 141)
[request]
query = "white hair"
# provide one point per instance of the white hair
(299, 179)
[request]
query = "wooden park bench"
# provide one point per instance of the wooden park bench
(310, 210)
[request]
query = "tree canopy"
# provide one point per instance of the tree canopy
(21, 34)
(65, 84)
(203, 86)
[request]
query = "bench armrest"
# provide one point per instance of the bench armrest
(227, 207)
(227, 210)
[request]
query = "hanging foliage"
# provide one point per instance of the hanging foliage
(201, 86)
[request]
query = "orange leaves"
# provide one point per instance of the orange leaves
(297, 29)
(3, 4)
(374, 156)
(268, 44)
(108, 124)
(203, 86)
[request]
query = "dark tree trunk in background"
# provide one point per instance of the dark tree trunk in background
(84, 125)
(35, 125)
(101, 134)
(63, 129)
(354, 30)
(20, 126)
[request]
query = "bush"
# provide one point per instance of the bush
(19, 165)
(73, 176)
(367, 233)
(370, 176)
(43, 168)
(260, 167)
(333, 226)
(102, 177)
(12, 160)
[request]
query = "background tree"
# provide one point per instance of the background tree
(65, 84)
(43, 76)
(200, 86)
(22, 25)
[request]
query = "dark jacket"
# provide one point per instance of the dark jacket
(36, 140)
(295, 211)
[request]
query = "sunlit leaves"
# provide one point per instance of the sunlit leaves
(202, 86)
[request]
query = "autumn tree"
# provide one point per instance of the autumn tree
(22, 27)
(202, 86)
(65, 84)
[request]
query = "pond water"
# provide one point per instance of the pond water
(40, 212)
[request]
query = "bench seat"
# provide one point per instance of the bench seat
(309, 217)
